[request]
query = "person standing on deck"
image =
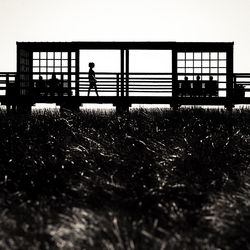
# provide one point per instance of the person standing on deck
(92, 79)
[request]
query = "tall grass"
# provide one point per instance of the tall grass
(151, 179)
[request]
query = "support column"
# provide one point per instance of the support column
(122, 73)
(69, 73)
(74, 107)
(230, 83)
(24, 108)
(122, 104)
(127, 72)
(77, 72)
(31, 83)
(122, 108)
(174, 103)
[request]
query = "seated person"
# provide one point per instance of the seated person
(186, 87)
(197, 86)
(211, 88)
(40, 86)
(53, 85)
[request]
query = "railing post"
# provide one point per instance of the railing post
(8, 93)
(7, 83)
(117, 85)
(127, 72)
(229, 75)
(61, 88)
(122, 73)
(69, 73)
(77, 58)
(174, 103)
(234, 85)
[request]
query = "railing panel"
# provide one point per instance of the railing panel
(150, 84)
(242, 85)
(140, 85)
(106, 84)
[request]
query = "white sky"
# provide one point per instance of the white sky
(125, 20)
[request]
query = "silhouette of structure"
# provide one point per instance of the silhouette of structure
(49, 72)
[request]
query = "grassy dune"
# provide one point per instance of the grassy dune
(153, 179)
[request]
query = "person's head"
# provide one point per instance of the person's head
(186, 78)
(198, 77)
(210, 78)
(91, 65)
(54, 76)
(40, 78)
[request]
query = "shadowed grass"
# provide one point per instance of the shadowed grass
(153, 179)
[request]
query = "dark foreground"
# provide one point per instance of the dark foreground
(151, 180)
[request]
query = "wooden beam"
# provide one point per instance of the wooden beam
(122, 73)
(69, 70)
(127, 72)
(77, 70)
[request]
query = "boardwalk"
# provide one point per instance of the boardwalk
(202, 74)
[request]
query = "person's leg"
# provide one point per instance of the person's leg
(89, 90)
(96, 90)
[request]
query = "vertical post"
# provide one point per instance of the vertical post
(230, 78)
(61, 88)
(47, 62)
(69, 73)
(122, 72)
(174, 79)
(8, 93)
(31, 82)
(117, 85)
(77, 72)
(174, 73)
(127, 72)
(7, 88)
(18, 69)
(235, 81)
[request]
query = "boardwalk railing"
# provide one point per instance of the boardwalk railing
(6, 79)
(242, 83)
(143, 84)
(113, 84)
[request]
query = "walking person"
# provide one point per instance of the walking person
(92, 79)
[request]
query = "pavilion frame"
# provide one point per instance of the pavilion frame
(26, 50)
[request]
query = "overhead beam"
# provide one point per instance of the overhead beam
(180, 46)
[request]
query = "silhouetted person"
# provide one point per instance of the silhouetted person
(92, 79)
(197, 87)
(186, 87)
(40, 86)
(60, 88)
(53, 84)
(211, 87)
(239, 91)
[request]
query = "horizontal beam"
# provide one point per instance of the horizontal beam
(74, 46)
(130, 99)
